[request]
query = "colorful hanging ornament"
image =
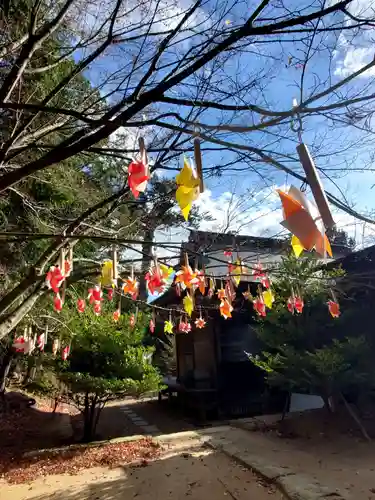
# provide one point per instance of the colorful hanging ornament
(106, 278)
(19, 344)
(295, 304)
(201, 281)
(188, 188)
(186, 277)
(211, 288)
(152, 326)
(131, 287)
(155, 280)
(132, 320)
(168, 326)
(40, 341)
(65, 353)
(54, 278)
(226, 308)
(116, 315)
(57, 303)
(55, 346)
(230, 292)
(259, 306)
(95, 294)
(296, 246)
(221, 293)
(97, 308)
(228, 253)
(81, 305)
(236, 271)
(200, 323)
(260, 276)
(188, 304)
(110, 294)
(268, 298)
(302, 219)
(138, 171)
(334, 308)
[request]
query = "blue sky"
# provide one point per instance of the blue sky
(278, 64)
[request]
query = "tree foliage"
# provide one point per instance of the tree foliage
(108, 361)
(311, 351)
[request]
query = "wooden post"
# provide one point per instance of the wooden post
(315, 184)
(198, 162)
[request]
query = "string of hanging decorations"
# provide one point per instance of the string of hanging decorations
(305, 220)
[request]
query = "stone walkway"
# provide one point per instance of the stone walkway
(144, 426)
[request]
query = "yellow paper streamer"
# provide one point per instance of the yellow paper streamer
(188, 189)
(297, 246)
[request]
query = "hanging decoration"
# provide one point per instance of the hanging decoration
(116, 315)
(95, 295)
(54, 278)
(65, 353)
(211, 288)
(201, 281)
(58, 303)
(226, 308)
(156, 282)
(106, 278)
(19, 344)
(268, 298)
(55, 346)
(188, 188)
(184, 326)
(228, 253)
(186, 277)
(302, 219)
(188, 304)
(110, 292)
(168, 326)
(236, 271)
(260, 276)
(296, 246)
(334, 308)
(152, 325)
(295, 304)
(200, 323)
(97, 308)
(259, 306)
(131, 286)
(230, 292)
(132, 320)
(41, 340)
(138, 173)
(81, 305)
(221, 293)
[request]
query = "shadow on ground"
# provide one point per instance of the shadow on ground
(27, 429)
(197, 475)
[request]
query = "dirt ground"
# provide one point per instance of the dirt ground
(331, 451)
(197, 475)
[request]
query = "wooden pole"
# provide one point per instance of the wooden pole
(315, 184)
(198, 162)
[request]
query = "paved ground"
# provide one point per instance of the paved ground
(193, 472)
(141, 416)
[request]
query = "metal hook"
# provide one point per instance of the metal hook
(296, 124)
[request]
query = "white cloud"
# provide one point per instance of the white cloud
(354, 53)
(355, 59)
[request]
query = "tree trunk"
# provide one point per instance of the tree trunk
(146, 261)
(90, 419)
(8, 324)
(5, 368)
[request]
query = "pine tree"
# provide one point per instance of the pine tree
(310, 351)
